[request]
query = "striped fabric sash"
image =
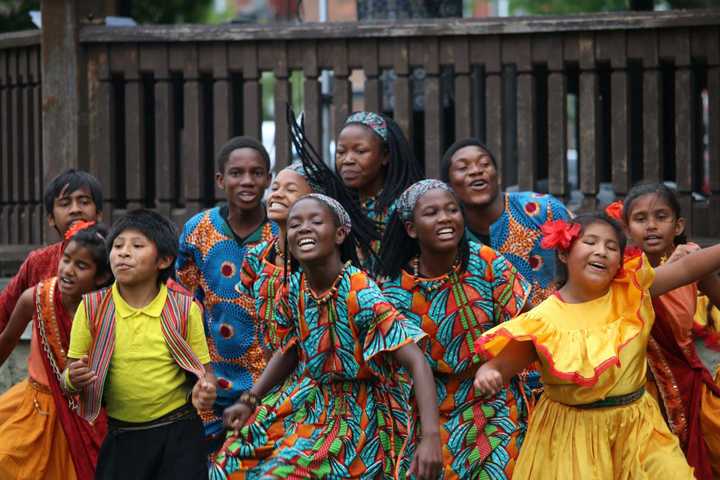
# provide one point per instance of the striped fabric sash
(100, 312)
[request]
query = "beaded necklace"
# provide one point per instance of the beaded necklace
(327, 296)
(434, 284)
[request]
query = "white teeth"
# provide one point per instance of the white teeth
(306, 241)
(446, 231)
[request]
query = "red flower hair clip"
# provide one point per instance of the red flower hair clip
(615, 210)
(559, 234)
(76, 227)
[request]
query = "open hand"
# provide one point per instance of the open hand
(428, 461)
(204, 393)
(235, 416)
(80, 373)
(488, 381)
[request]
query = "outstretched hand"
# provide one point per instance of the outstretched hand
(80, 373)
(488, 380)
(235, 416)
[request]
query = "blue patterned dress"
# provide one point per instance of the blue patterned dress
(208, 264)
(380, 218)
(335, 421)
(480, 437)
(516, 234)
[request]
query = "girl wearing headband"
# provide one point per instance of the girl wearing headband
(348, 341)
(455, 290)
(375, 160)
(595, 419)
(41, 435)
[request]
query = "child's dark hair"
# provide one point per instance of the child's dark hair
(403, 168)
(70, 181)
(585, 220)
(348, 249)
(157, 228)
(318, 173)
(93, 240)
(662, 191)
(398, 248)
(236, 143)
(446, 161)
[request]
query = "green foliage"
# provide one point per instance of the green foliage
(563, 7)
(170, 11)
(14, 14)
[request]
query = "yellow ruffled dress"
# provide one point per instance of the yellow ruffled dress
(588, 352)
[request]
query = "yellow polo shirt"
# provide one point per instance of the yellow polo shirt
(143, 381)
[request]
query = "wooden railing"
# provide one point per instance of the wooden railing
(21, 167)
(578, 106)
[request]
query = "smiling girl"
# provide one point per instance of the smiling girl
(595, 419)
(41, 436)
(682, 384)
(335, 324)
(455, 290)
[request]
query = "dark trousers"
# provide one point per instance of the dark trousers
(167, 448)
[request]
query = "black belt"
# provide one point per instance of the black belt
(617, 401)
(186, 412)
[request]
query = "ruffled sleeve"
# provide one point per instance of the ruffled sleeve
(510, 289)
(383, 328)
(578, 342)
(286, 311)
(251, 268)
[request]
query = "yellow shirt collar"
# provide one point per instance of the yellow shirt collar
(152, 309)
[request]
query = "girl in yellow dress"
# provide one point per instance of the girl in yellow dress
(595, 420)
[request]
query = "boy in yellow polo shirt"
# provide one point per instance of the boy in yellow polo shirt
(132, 347)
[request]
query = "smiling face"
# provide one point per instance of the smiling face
(71, 207)
(285, 190)
(76, 271)
(312, 231)
(473, 176)
(437, 223)
(134, 259)
(360, 159)
(244, 179)
(594, 258)
(653, 225)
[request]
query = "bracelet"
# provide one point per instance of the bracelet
(67, 386)
(249, 399)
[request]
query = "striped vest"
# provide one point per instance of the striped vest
(100, 313)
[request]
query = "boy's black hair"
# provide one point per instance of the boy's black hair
(72, 180)
(447, 157)
(157, 228)
(236, 143)
(662, 191)
(93, 239)
(403, 169)
(398, 248)
(318, 173)
(584, 220)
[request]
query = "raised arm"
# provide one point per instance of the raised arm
(688, 269)
(21, 316)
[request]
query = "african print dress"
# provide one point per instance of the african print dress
(480, 438)
(380, 218)
(208, 264)
(335, 421)
(517, 235)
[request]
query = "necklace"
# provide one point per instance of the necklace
(432, 284)
(328, 295)
(277, 248)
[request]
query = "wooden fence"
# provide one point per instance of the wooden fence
(582, 103)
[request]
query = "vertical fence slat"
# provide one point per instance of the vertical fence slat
(434, 128)
(36, 236)
(335, 54)
(15, 145)
(526, 113)
(458, 50)
(154, 58)
(193, 121)
(27, 173)
(5, 139)
(402, 91)
(135, 158)
(276, 54)
(101, 125)
(709, 43)
(589, 112)
(312, 95)
(486, 51)
(222, 97)
(366, 51)
(244, 58)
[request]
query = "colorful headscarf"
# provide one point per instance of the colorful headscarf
(77, 227)
(372, 120)
(299, 168)
(408, 199)
(339, 210)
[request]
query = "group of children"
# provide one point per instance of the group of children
(362, 322)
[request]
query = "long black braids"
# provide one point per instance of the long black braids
(318, 173)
